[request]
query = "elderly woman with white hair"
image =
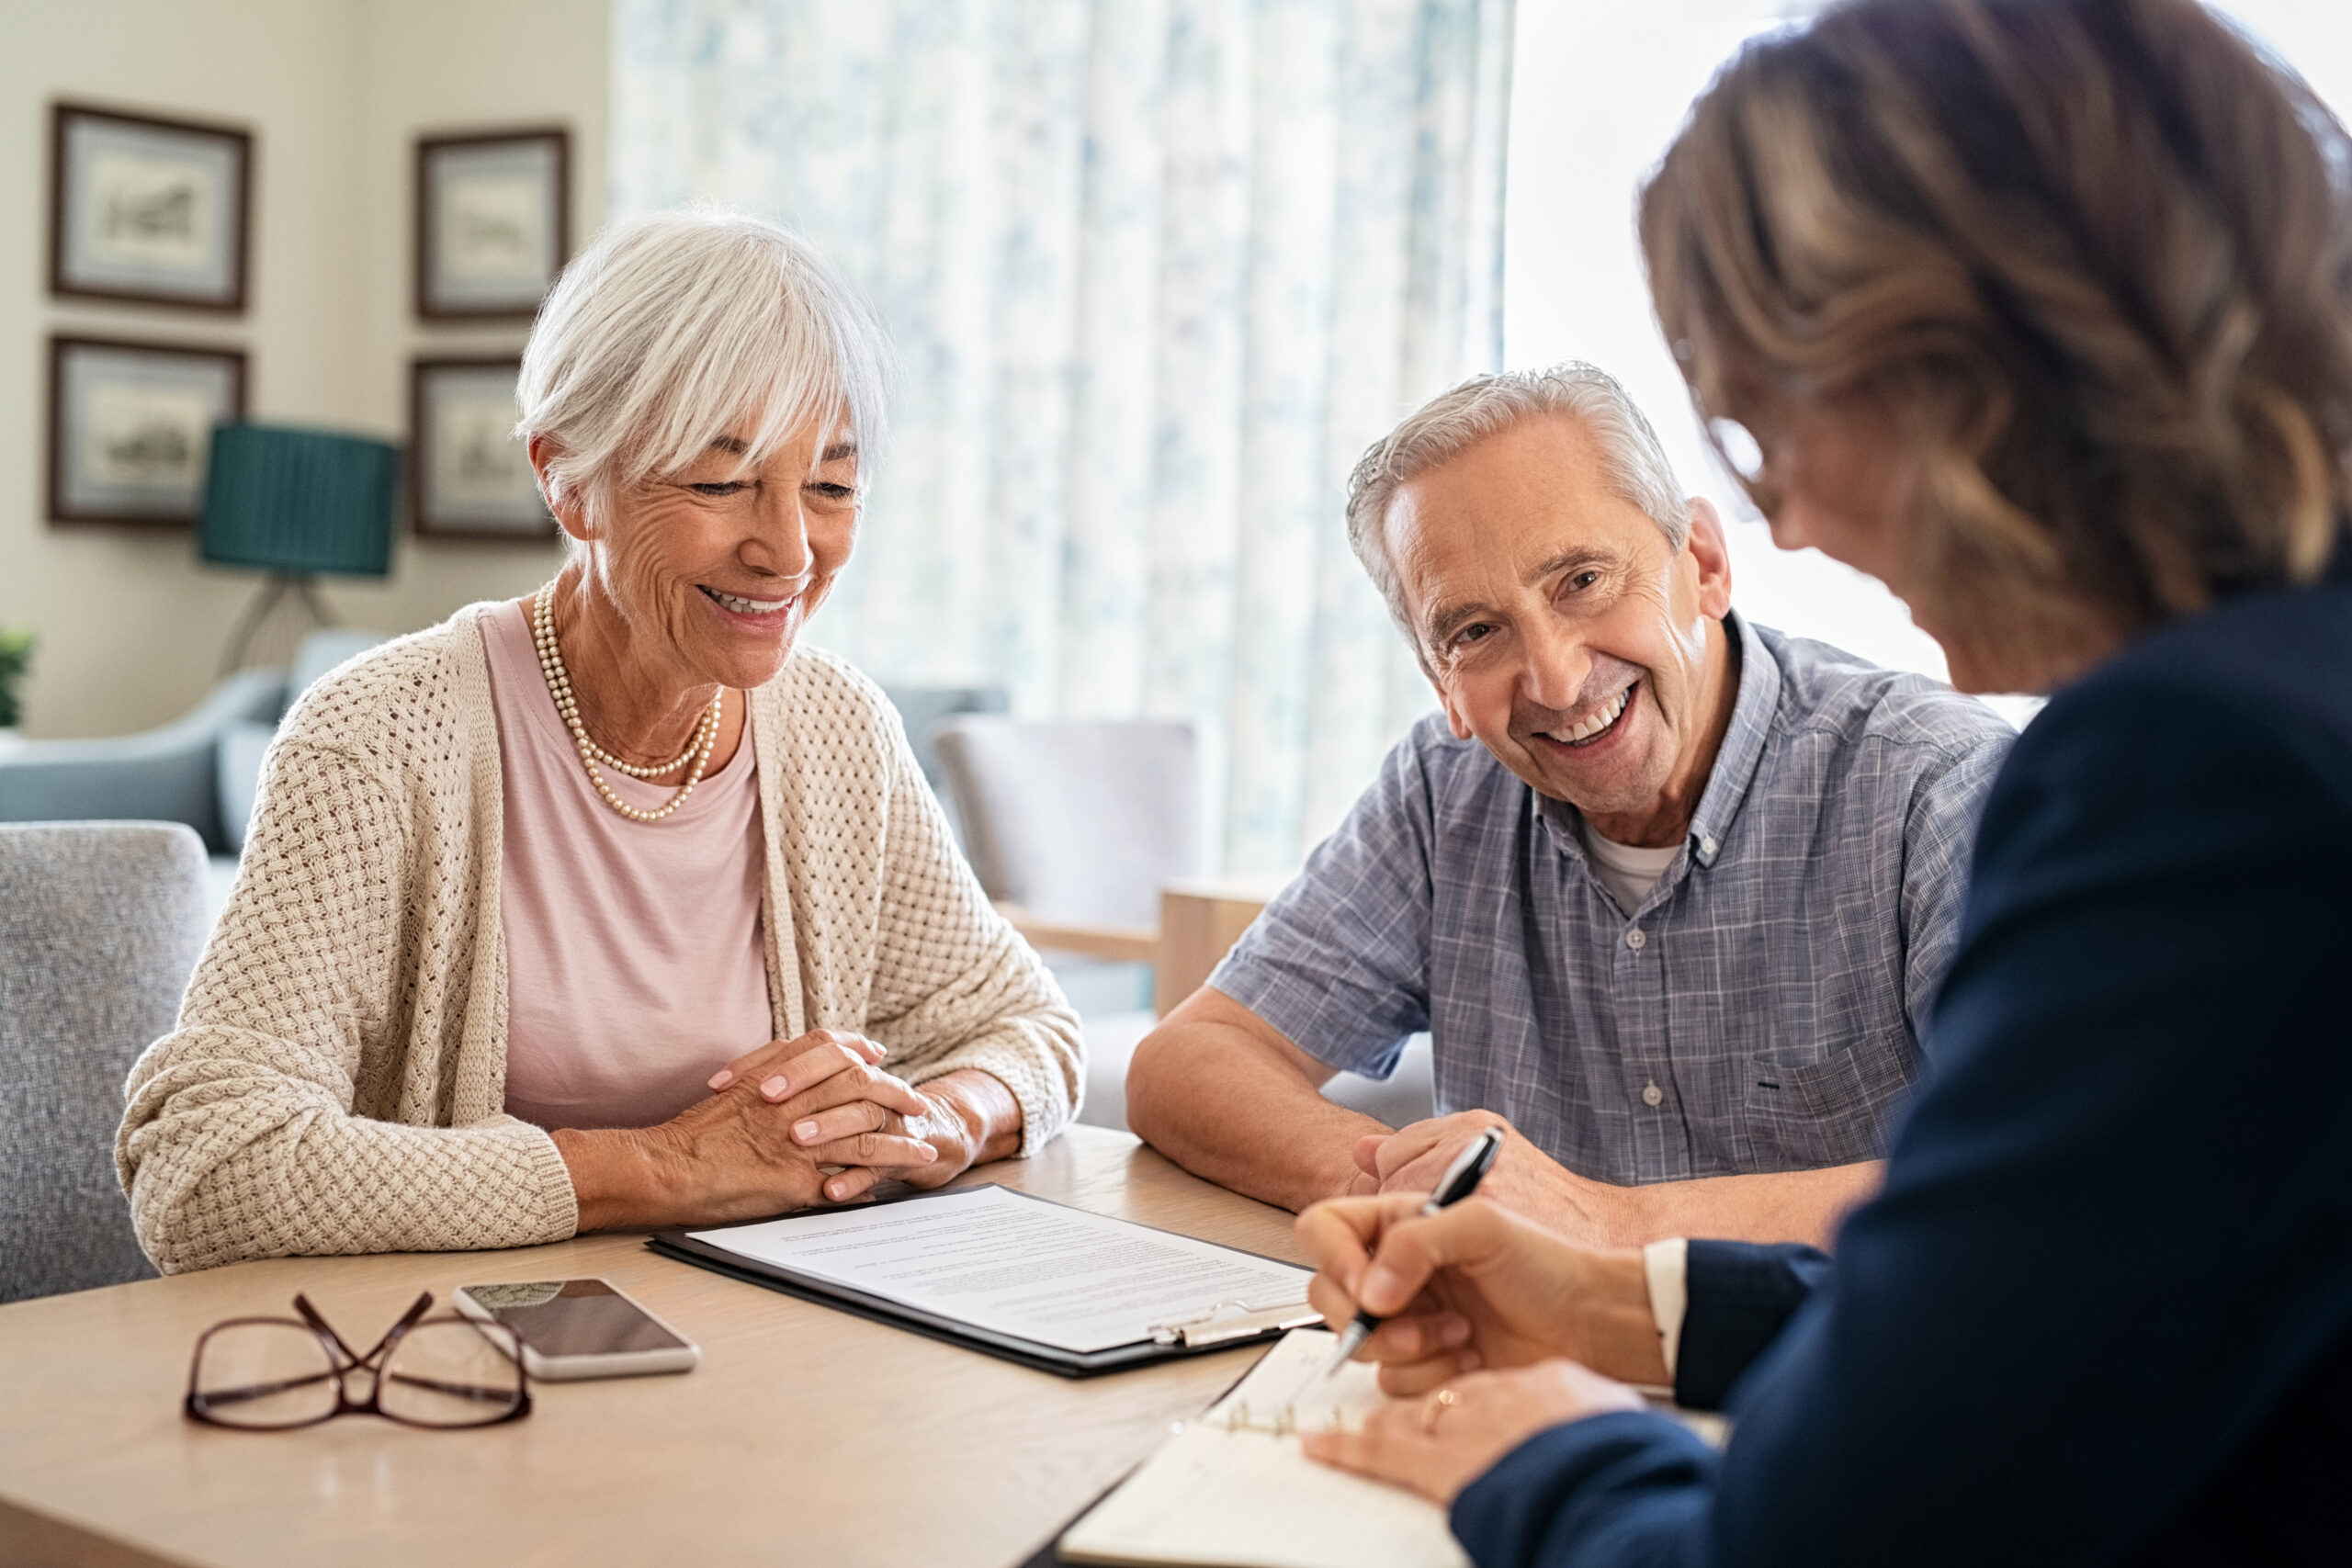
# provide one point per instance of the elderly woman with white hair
(613, 905)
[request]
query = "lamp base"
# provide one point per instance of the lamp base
(277, 586)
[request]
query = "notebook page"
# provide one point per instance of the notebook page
(1234, 1489)
(1004, 1260)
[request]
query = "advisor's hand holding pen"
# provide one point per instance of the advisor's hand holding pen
(1474, 1285)
(1460, 1181)
(1485, 1317)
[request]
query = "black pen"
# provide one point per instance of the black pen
(1460, 1180)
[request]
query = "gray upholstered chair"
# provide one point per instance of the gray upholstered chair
(1076, 830)
(99, 925)
(1073, 829)
(1075, 822)
(922, 709)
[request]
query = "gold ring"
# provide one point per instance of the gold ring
(1436, 1406)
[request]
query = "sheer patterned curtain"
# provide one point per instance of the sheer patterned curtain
(1157, 271)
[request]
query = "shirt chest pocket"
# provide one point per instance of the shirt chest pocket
(1836, 1110)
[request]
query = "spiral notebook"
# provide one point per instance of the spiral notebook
(1234, 1490)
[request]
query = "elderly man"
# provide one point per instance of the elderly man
(1672, 892)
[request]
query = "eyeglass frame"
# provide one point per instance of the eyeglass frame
(313, 1323)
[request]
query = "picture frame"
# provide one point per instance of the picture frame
(149, 210)
(130, 427)
(493, 222)
(468, 478)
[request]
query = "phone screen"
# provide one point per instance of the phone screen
(573, 1317)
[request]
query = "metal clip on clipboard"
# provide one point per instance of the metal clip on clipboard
(1232, 1320)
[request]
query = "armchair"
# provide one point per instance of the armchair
(1073, 826)
(201, 768)
(101, 922)
(1087, 837)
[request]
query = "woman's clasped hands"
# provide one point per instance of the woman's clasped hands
(794, 1123)
(840, 1108)
(1493, 1330)
(827, 1098)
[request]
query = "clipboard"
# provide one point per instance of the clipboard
(1223, 1327)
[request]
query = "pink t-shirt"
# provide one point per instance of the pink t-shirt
(636, 962)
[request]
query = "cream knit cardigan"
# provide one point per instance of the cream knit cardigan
(336, 1080)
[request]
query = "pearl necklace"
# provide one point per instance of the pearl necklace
(694, 757)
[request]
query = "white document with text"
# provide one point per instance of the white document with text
(1020, 1266)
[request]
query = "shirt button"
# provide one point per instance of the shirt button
(1706, 846)
(1652, 1095)
(1636, 939)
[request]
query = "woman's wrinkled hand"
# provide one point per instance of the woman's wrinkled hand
(792, 1125)
(733, 1155)
(950, 1144)
(840, 1107)
(1438, 1444)
(1475, 1286)
(869, 1122)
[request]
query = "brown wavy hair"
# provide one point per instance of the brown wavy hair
(2094, 256)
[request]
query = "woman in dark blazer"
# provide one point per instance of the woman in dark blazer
(2041, 311)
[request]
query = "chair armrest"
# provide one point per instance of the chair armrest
(1119, 945)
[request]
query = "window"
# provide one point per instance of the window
(1599, 91)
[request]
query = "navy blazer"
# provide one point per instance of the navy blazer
(2102, 1311)
(1738, 1296)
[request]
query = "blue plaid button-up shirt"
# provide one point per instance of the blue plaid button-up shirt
(1761, 1011)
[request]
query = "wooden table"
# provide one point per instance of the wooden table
(806, 1436)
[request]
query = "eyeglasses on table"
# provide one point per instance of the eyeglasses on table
(275, 1374)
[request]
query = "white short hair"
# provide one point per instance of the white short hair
(671, 330)
(1632, 464)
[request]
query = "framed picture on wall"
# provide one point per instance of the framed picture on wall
(468, 478)
(158, 212)
(130, 426)
(493, 222)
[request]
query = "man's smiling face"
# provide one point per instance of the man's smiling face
(1564, 631)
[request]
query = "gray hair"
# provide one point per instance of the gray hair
(671, 330)
(1632, 464)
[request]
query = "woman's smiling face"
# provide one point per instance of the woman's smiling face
(715, 568)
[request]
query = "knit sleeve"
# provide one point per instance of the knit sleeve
(953, 984)
(239, 1139)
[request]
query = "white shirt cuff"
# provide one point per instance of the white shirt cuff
(1666, 1265)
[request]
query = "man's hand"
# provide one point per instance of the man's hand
(1524, 1179)
(1784, 1205)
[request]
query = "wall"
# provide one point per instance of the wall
(132, 629)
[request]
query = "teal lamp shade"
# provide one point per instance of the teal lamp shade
(298, 501)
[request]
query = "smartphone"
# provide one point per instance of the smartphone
(580, 1329)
